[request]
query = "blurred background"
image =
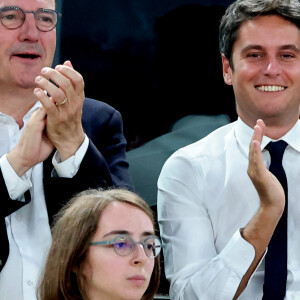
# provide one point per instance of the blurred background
(155, 61)
(158, 63)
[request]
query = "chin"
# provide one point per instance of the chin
(134, 294)
(26, 78)
(26, 83)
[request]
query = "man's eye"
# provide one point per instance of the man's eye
(255, 55)
(10, 17)
(287, 55)
(46, 19)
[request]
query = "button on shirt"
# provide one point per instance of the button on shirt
(204, 198)
(28, 228)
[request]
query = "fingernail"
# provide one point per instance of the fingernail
(44, 70)
(38, 78)
(37, 91)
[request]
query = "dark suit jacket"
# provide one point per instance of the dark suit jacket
(104, 165)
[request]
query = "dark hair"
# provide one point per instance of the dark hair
(75, 226)
(243, 10)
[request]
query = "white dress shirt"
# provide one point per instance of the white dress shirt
(28, 228)
(204, 198)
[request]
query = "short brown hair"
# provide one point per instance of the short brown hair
(75, 226)
(242, 10)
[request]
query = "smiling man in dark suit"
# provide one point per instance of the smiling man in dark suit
(54, 142)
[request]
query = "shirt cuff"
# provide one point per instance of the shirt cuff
(238, 254)
(16, 186)
(69, 167)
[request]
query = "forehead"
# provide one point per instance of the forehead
(267, 31)
(29, 4)
(123, 216)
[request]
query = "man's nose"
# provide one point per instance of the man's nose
(273, 67)
(28, 30)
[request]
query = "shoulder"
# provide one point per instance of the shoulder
(205, 151)
(99, 111)
(91, 105)
(211, 145)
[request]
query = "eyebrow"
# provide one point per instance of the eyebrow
(284, 47)
(292, 47)
(145, 233)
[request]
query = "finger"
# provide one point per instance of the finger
(69, 64)
(60, 79)
(56, 92)
(75, 77)
(256, 167)
(38, 116)
(259, 129)
(47, 102)
(255, 156)
(41, 113)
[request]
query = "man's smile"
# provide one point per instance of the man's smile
(270, 88)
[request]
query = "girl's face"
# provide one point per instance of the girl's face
(111, 276)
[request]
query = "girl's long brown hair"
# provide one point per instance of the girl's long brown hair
(75, 226)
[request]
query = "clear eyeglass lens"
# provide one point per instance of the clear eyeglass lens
(12, 18)
(123, 245)
(45, 20)
(152, 246)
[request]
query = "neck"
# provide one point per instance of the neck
(276, 131)
(16, 102)
(275, 128)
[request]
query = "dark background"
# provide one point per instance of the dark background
(153, 60)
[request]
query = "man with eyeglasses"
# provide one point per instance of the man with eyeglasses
(54, 141)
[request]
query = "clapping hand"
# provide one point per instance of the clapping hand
(267, 185)
(63, 105)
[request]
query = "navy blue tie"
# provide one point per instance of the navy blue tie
(276, 257)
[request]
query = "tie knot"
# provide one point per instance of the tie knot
(276, 150)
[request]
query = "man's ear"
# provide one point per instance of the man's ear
(227, 71)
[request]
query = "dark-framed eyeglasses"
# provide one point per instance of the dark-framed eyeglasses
(13, 17)
(124, 244)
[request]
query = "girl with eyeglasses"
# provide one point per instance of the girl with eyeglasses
(104, 247)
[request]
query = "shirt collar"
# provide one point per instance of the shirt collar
(243, 134)
(6, 118)
(37, 105)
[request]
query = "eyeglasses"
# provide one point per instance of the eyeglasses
(124, 244)
(13, 17)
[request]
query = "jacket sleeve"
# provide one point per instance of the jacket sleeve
(7, 206)
(104, 164)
